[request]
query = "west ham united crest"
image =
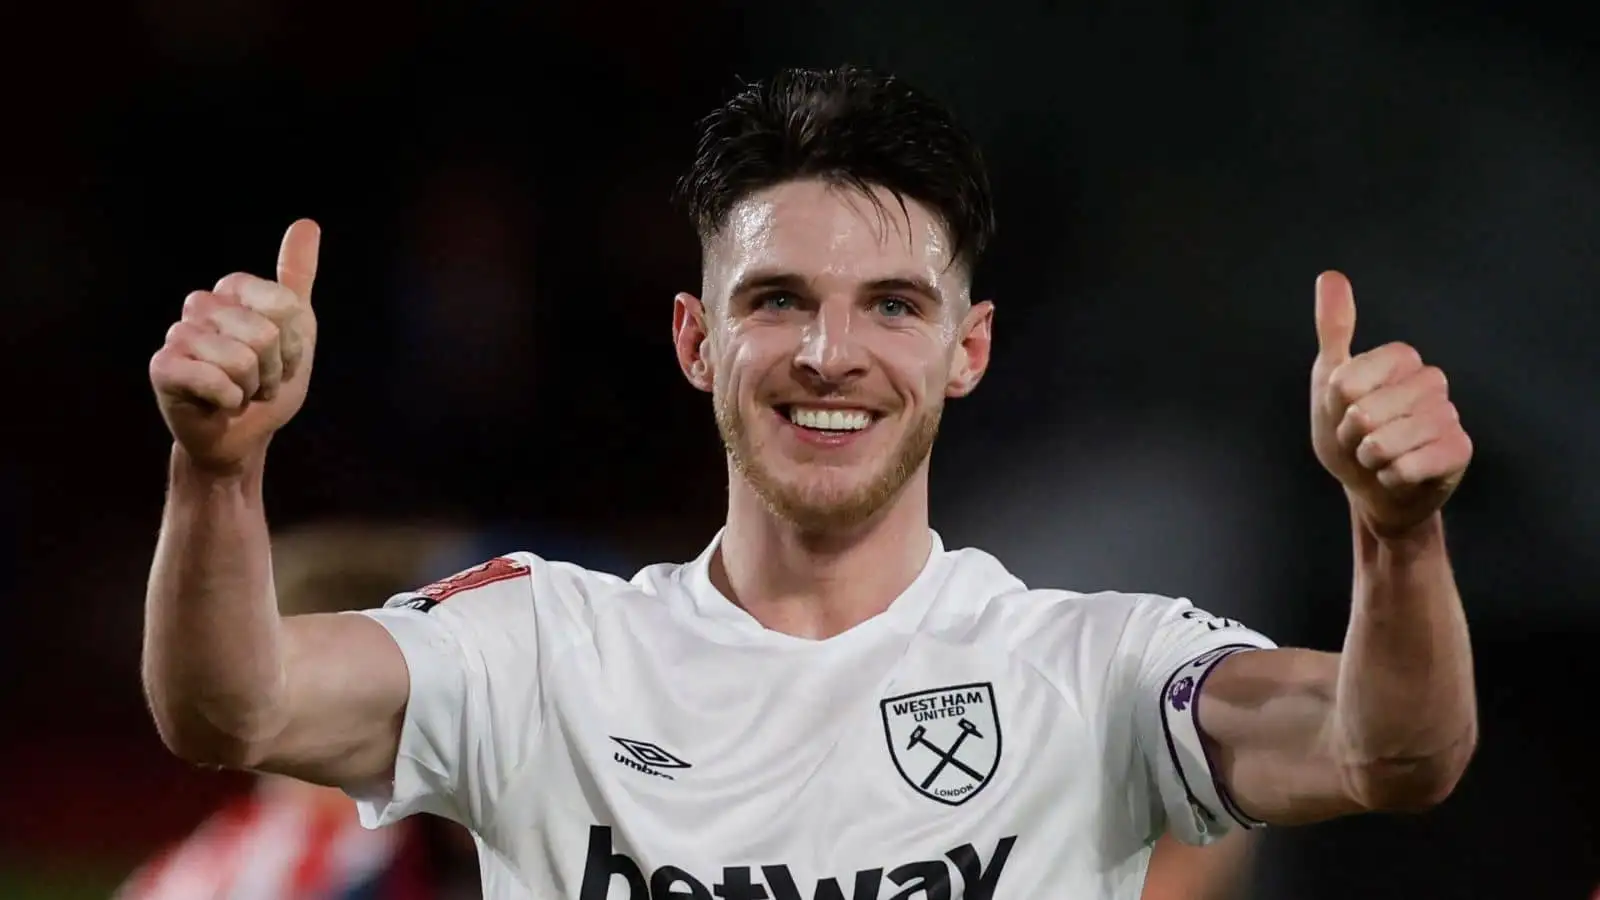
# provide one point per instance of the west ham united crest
(945, 741)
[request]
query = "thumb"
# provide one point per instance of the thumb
(1336, 317)
(297, 257)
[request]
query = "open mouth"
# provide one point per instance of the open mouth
(826, 421)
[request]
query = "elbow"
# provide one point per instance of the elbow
(192, 736)
(1414, 784)
(199, 744)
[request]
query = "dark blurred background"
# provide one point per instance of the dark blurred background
(498, 265)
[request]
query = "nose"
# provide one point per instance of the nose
(830, 349)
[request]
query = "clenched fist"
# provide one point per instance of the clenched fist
(235, 366)
(1382, 421)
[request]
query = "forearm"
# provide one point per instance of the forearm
(1405, 706)
(213, 648)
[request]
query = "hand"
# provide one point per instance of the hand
(1382, 422)
(234, 368)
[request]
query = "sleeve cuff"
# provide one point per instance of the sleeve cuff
(1180, 723)
(419, 783)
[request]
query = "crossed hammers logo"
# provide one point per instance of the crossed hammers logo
(919, 735)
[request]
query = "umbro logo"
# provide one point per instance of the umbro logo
(646, 757)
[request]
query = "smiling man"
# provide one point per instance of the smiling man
(827, 703)
(827, 408)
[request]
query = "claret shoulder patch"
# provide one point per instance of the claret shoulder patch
(501, 568)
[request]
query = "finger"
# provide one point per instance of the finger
(197, 308)
(227, 316)
(1442, 460)
(232, 356)
(1354, 379)
(1407, 433)
(291, 349)
(269, 298)
(284, 308)
(259, 334)
(297, 257)
(1422, 388)
(278, 303)
(193, 381)
(1335, 316)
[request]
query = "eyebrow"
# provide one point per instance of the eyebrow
(789, 281)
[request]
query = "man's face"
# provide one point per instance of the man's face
(832, 330)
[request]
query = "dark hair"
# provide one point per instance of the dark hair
(848, 125)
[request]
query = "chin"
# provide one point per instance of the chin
(827, 500)
(825, 517)
(831, 483)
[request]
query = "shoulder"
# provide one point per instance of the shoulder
(1108, 626)
(480, 578)
(513, 586)
(979, 589)
(1070, 635)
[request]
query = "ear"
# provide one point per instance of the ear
(692, 340)
(971, 357)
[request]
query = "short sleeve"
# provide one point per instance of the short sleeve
(460, 740)
(1170, 648)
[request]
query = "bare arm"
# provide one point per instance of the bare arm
(1216, 871)
(229, 681)
(1388, 724)
(1391, 722)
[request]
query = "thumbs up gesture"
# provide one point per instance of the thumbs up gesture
(1382, 421)
(234, 367)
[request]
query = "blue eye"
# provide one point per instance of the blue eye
(776, 301)
(894, 307)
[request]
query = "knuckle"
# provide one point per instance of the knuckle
(1405, 470)
(1434, 377)
(266, 349)
(233, 283)
(1351, 431)
(1397, 473)
(284, 294)
(245, 358)
(244, 325)
(198, 302)
(1403, 354)
(266, 337)
(1343, 388)
(179, 334)
(1391, 478)
(160, 364)
(232, 357)
(269, 298)
(1355, 415)
(256, 331)
(1369, 450)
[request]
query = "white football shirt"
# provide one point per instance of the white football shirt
(648, 739)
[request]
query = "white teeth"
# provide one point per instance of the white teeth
(830, 419)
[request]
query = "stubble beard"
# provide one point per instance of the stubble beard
(821, 508)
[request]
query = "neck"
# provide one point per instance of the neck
(817, 585)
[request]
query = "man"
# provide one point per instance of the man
(827, 703)
(290, 840)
